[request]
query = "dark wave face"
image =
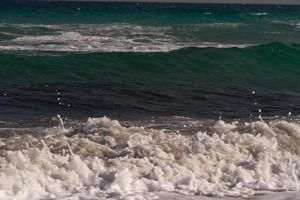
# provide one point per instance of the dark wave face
(193, 82)
(143, 60)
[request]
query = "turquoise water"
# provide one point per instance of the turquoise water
(149, 59)
(273, 65)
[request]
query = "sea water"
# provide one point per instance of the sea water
(145, 101)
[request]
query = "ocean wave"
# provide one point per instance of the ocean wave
(102, 158)
(89, 38)
(126, 37)
(75, 42)
(108, 38)
(264, 65)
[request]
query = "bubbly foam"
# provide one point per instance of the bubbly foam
(103, 159)
(259, 14)
(107, 38)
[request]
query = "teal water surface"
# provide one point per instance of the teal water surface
(149, 59)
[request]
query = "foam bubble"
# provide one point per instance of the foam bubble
(101, 158)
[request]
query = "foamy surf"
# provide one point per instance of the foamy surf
(134, 37)
(102, 159)
(77, 42)
(115, 37)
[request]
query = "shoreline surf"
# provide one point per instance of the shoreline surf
(195, 111)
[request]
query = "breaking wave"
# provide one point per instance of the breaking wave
(269, 64)
(102, 158)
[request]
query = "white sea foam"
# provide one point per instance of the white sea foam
(259, 14)
(103, 159)
(75, 42)
(108, 38)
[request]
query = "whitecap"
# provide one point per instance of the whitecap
(109, 38)
(101, 158)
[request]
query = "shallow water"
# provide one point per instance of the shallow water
(101, 158)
